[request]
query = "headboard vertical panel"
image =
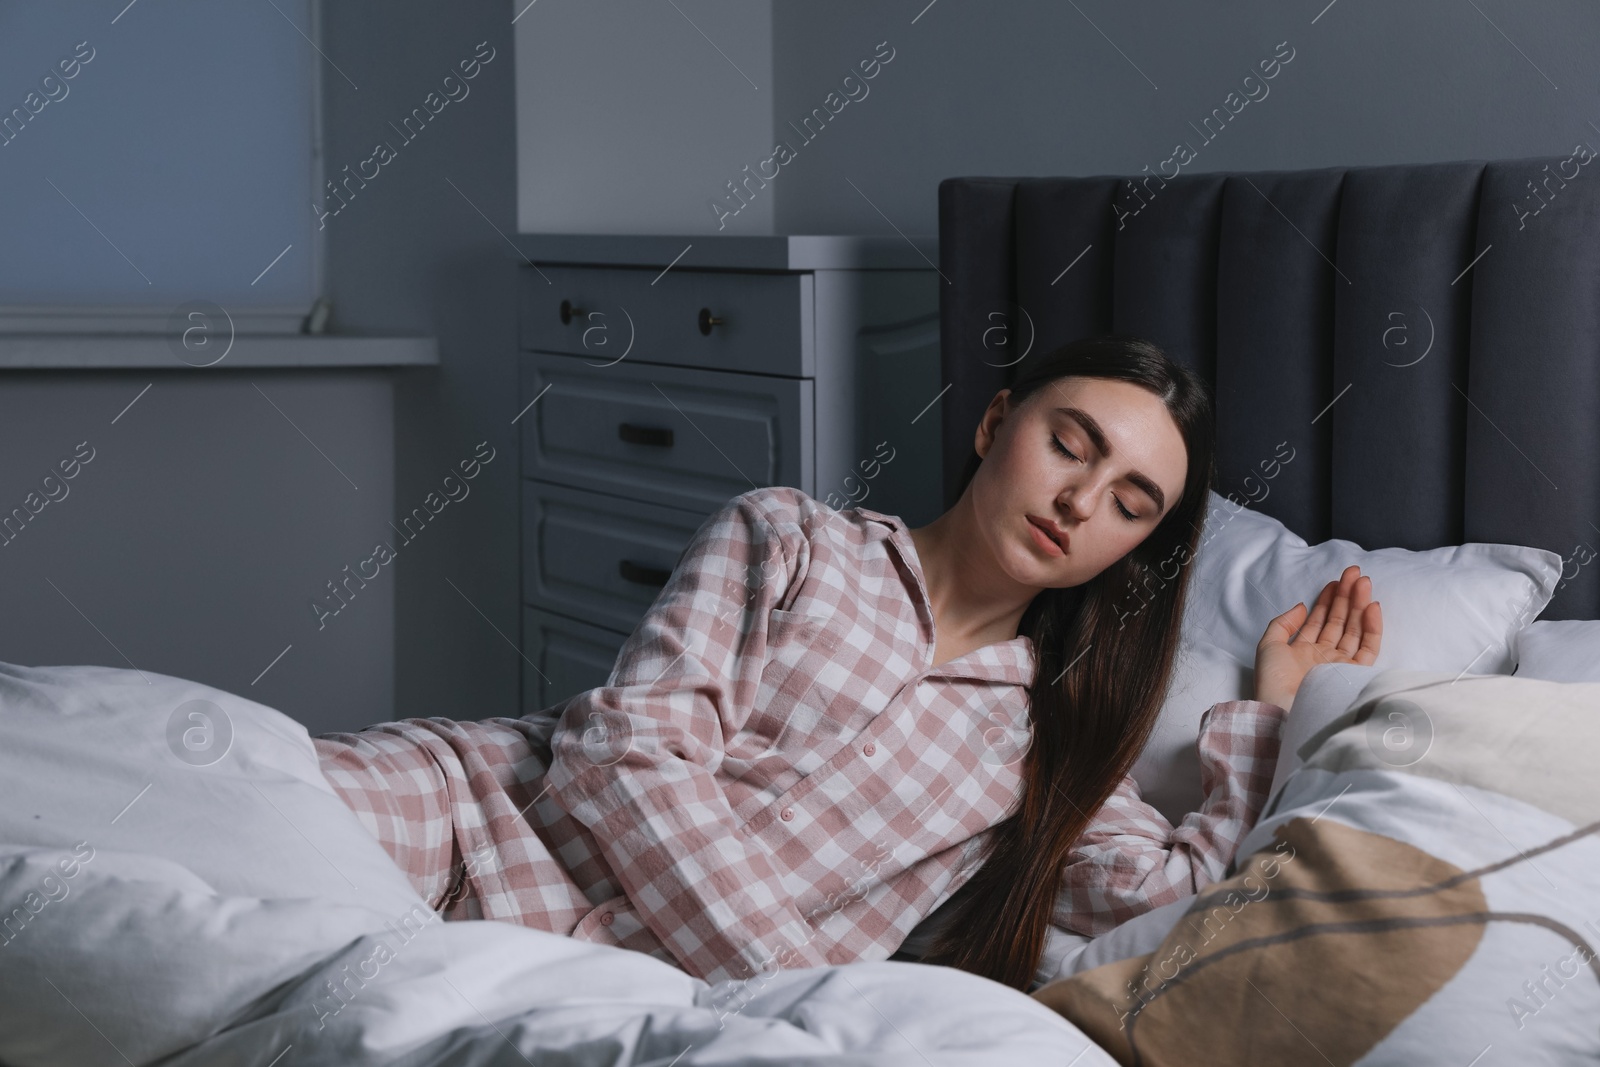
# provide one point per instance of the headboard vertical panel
(1533, 434)
(1065, 249)
(977, 254)
(1275, 330)
(1165, 272)
(1400, 333)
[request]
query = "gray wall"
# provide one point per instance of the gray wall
(197, 539)
(421, 250)
(1020, 87)
(629, 118)
(193, 540)
(223, 500)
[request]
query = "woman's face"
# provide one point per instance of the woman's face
(1127, 457)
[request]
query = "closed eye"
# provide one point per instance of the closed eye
(1054, 440)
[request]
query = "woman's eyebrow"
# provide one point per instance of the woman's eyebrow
(1098, 436)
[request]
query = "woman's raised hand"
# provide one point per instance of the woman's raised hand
(1344, 626)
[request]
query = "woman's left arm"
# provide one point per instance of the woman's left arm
(1131, 860)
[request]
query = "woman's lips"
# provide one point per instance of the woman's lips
(1043, 539)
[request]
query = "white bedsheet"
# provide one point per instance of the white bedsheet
(136, 961)
(230, 915)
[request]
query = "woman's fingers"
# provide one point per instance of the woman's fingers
(1283, 627)
(1312, 627)
(1360, 597)
(1339, 607)
(1345, 623)
(1371, 634)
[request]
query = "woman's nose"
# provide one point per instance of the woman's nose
(1078, 501)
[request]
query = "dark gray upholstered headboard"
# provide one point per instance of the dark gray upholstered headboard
(1449, 313)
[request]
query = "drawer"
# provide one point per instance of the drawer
(763, 323)
(684, 438)
(598, 557)
(564, 658)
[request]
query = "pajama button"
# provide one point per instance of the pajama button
(786, 814)
(605, 920)
(869, 748)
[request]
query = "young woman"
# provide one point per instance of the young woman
(828, 723)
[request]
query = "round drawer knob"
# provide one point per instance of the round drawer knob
(568, 313)
(708, 320)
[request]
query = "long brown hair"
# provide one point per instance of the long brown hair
(1104, 651)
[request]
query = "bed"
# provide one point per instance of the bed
(179, 885)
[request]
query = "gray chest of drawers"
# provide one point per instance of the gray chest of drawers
(661, 376)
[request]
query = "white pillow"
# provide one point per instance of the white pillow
(1456, 608)
(1168, 769)
(116, 758)
(1564, 650)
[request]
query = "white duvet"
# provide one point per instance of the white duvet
(114, 950)
(1423, 888)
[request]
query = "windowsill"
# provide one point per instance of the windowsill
(90, 351)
